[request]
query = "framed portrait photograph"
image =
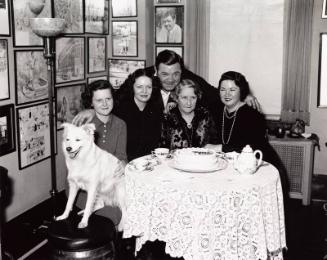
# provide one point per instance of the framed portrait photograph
(72, 12)
(97, 54)
(69, 103)
(31, 79)
(178, 49)
(90, 80)
(120, 69)
(4, 18)
(33, 134)
(22, 12)
(169, 24)
(322, 77)
(168, 1)
(124, 38)
(97, 16)
(324, 9)
(7, 129)
(70, 59)
(4, 72)
(123, 8)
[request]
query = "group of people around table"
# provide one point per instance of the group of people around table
(166, 105)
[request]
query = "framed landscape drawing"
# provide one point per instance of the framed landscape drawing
(33, 134)
(22, 12)
(124, 8)
(90, 80)
(97, 16)
(4, 72)
(120, 69)
(30, 76)
(124, 38)
(4, 18)
(169, 24)
(69, 59)
(72, 12)
(7, 129)
(178, 49)
(97, 54)
(69, 103)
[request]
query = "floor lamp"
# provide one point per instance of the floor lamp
(48, 29)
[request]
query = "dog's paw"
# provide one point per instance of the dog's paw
(82, 224)
(61, 217)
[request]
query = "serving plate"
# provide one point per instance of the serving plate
(220, 165)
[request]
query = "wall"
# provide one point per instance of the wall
(32, 185)
(318, 116)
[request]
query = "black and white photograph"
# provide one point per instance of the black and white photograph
(324, 9)
(124, 8)
(7, 129)
(72, 12)
(124, 38)
(33, 134)
(22, 12)
(178, 49)
(97, 54)
(92, 79)
(30, 76)
(168, 1)
(97, 16)
(4, 18)
(4, 72)
(120, 69)
(70, 59)
(169, 24)
(69, 103)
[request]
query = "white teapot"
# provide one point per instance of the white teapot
(247, 162)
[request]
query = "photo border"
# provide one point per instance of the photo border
(88, 54)
(322, 67)
(105, 18)
(169, 47)
(324, 10)
(123, 16)
(8, 82)
(112, 38)
(7, 13)
(168, 1)
(92, 79)
(9, 112)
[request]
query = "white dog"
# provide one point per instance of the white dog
(92, 169)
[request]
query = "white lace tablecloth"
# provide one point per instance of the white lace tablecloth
(217, 215)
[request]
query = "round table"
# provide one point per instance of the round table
(215, 215)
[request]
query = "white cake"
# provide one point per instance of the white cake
(195, 158)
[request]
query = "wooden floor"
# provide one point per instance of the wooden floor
(306, 232)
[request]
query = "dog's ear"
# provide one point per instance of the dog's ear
(89, 128)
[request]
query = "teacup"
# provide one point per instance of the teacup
(161, 152)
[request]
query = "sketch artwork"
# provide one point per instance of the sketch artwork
(4, 73)
(97, 54)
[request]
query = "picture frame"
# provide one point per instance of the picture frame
(68, 103)
(97, 53)
(120, 69)
(90, 80)
(168, 1)
(7, 129)
(70, 59)
(178, 49)
(96, 16)
(4, 71)
(124, 38)
(4, 18)
(31, 79)
(22, 12)
(73, 13)
(169, 24)
(324, 9)
(322, 75)
(33, 134)
(123, 8)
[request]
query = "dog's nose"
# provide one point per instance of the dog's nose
(68, 149)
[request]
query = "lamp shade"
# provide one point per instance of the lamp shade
(47, 27)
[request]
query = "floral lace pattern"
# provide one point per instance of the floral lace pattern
(221, 215)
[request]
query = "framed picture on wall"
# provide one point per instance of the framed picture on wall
(72, 12)
(178, 49)
(70, 59)
(120, 69)
(124, 38)
(7, 129)
(90, 80)
(33, 134)
(30, 76)
(4, 18)
(97, 54)
(124, 8)
(324, 9)
(322, 77)
(97, 16)
(168, 1)
(69, 103)
(169, 24)
(4, 72)
(22, 12)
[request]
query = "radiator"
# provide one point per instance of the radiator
(297, 156)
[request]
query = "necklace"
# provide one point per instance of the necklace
(229, 115)
(223, 125)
